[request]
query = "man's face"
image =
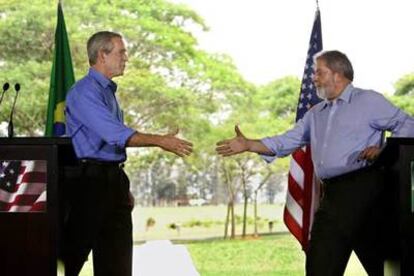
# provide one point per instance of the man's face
(115, 60)
(324, 80)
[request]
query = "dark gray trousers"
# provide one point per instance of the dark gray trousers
(349, 218)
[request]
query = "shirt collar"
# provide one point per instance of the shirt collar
(102, 80)
(345, 96)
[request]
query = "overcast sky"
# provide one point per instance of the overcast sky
(268, 39)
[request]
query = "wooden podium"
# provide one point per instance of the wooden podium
(29, 240)
(398, 160)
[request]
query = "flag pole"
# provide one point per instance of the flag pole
(317, 4)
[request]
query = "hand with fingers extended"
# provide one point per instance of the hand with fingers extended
(240, 144)
(176, 145)
(370, 153)
(168, 142)
(233, 146)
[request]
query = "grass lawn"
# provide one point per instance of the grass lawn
(214, 215)
(274, 255)
(270, 254)
(278, 254)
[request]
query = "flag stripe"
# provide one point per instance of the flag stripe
(295, 172)
(294, 209)
(294, 227)
(27, 188)
(33, 177)
(38, 207)
(295, 191)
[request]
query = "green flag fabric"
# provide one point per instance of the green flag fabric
(61, 79)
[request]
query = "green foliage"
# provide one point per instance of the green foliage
(405, 102)
(405, 85)
(150, 222)
(202, 223)
(250, 220)
(163, 74)
(174, 226)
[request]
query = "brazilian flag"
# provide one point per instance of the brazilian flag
(61, 80)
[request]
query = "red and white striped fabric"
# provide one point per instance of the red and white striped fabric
(24, 191)
(302, 194)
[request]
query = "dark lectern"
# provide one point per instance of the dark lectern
(29, 231)
(398, 160)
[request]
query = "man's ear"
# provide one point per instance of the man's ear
(101, 56)
(336, 77)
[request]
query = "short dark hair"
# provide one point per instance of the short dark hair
(100, 41)
(337, 62)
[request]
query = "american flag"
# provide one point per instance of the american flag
(22, 185)
(302, 195)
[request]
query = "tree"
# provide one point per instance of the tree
(255, 194)
(260, 112)
(405, 85)
(405, 102)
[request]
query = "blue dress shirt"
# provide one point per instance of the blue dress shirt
(94, 120)
(339, 130)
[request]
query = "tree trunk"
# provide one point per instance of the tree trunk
(256, 234)
(245, 215)
(233, 221)
(226, 225)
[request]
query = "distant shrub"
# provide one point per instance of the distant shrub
(250, 220)
(150, 223)
(202, 223)
(173, 226)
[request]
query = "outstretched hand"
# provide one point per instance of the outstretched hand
(233, 146)
(176, 145)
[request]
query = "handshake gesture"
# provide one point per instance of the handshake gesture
(236, 145)
(228, 147)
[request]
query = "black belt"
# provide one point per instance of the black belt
(88, 161)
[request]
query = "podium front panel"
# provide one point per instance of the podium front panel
(27, 228)
(29, 221)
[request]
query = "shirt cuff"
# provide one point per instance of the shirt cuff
(125, 136)
(269, 143)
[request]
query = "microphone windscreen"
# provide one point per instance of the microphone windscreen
(17, 87)
(6, 86)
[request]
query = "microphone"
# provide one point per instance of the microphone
(10, 128)
(6, 87)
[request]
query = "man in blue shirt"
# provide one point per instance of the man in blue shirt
(345, 133)
(100, 201)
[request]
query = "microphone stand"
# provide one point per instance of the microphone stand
(10, 128)
(6, 86)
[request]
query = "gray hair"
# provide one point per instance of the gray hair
(100, 41)
(337, 62)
